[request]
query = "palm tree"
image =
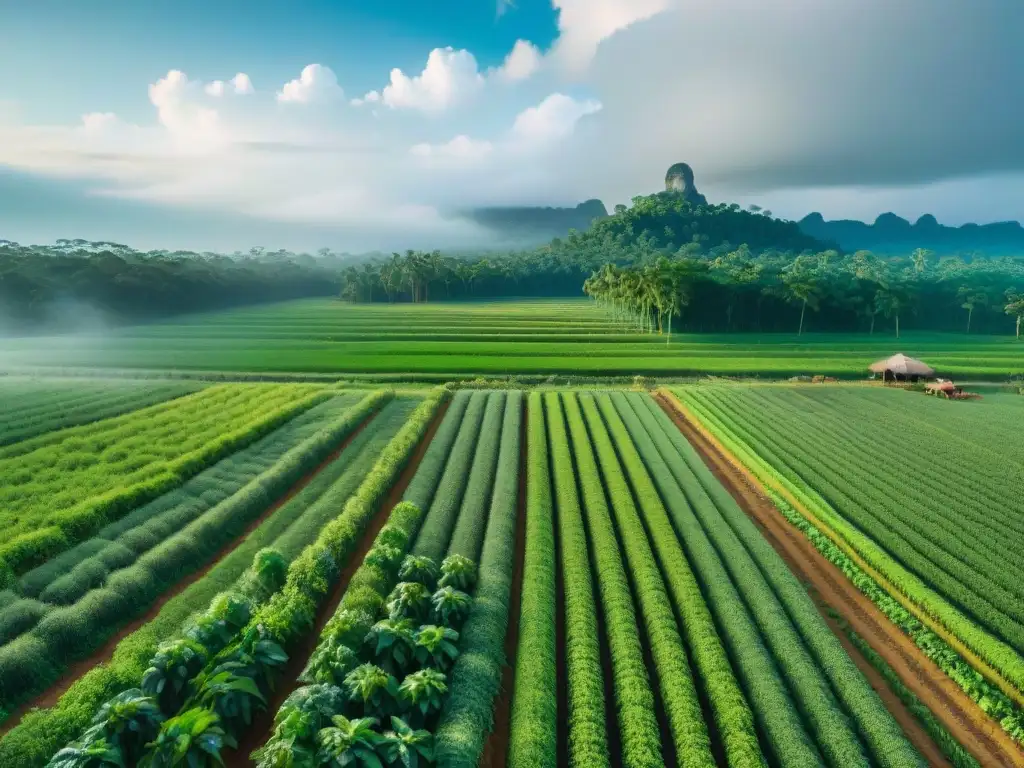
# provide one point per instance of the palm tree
(800, 286)
(1015, 307)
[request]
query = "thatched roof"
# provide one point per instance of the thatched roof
(903, 365)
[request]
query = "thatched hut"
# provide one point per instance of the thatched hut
(902, 368)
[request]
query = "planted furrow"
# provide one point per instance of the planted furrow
(467, 536)
(534, 725)
(436, 530)
(634, 699)
(588, 743)
(475, 680)
(669, 456)
(679, 696)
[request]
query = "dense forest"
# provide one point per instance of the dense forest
(49, 287)
(661, 263)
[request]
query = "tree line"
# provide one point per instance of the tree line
(661, 264)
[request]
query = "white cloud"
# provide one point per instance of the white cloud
(96, 122)
(242, 84)
(460, 151)
(552, 120)
(449, 77)
(584, 24)
(373, 97)
(521, 63)
(316, 83)
(187, 121)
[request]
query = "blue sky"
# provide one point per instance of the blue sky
(360, 125)
(63, 58)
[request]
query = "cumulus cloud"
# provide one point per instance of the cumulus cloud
(523, 61)
(552, 120)
(449, 77)
(242, 84)
(316, 84)
(187, 121)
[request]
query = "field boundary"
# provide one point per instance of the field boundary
(955, 710)
(979, 664)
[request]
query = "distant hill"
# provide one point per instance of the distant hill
(893, 234)
(669, 221)
(535, 225)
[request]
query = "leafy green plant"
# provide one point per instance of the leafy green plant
(435, 646)
(230, 693)
(329, 663)
(459, 572)
(193, 739)
(386, 557)
(450, 607)
(171, 670)
(302, 715)
(421, 569)
(392, 641)
(407, 747)
(94, 754)
(409, 600)
(422, 693)
(371, 688)
(349, 743)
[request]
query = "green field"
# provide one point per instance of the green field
(497, 338)
(296, 574)
(928, 492)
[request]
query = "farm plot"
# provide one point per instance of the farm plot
(61, 487)
(391, 661)
(912, 496)
(79, 610)
(712, 651)
(292, 557)
(439, 340)
(29, 407)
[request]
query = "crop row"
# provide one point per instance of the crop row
(40, 732)
(38, 657)
(444, 509)
(823, 678)
(1003, 660)
(31, 409)
(222, 681)
(67, 577)
(58, 493)
(476, 677)
(393, 649)
(939, 541)
(990, 698)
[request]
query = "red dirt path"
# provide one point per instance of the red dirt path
(830, 588)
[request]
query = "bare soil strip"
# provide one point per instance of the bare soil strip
(263, 723)
(830, 588)
(496, 746)
(105, 652)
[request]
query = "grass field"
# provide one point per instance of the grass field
(498, 338)
(491, 577)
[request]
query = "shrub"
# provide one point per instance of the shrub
(420, 569)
